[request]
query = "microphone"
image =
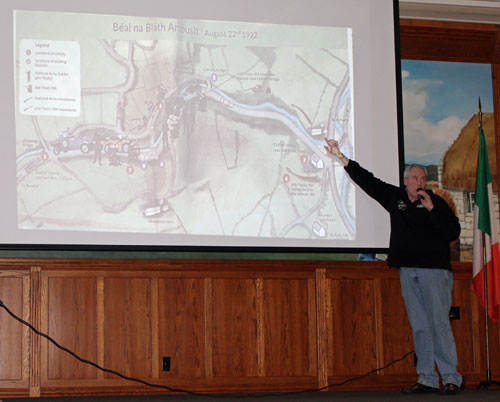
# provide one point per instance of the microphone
(420, 196)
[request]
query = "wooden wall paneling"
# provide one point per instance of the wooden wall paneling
(14, 337)
(155, 329)
(480, 339)
(261, 342)
(11, 339)
(494, 345)
(469, 331)
(396, 331)
(496, 49)
(26, 332)
(352, 328)
(100, 325)
(128, 330)
(447, 41)
(476, 321)
(287, 334)
(372, 300)
(495, 329)
(495, 76)
(313, 328)
(37, 302)
(255, 327)
(234, 328)
(182, 326)
(322, 319)
(463, 328)
(208, 320)
(72, 305)
(379, 334)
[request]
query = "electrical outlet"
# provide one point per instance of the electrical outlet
(165, 364)
(454, 313)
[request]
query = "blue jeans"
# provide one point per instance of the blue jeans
(427, 296)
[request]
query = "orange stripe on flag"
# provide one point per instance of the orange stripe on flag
(492, 267)
(486, 248)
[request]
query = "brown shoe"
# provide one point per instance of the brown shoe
(419, 389)
(450, 389)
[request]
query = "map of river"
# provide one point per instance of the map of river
(182, 127)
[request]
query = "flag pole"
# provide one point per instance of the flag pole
(485, 384)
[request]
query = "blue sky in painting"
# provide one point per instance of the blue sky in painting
(438, 100)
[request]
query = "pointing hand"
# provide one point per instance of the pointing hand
(332, 148)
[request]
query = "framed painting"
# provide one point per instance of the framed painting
(440, 113)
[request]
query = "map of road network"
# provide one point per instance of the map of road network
(182, 127)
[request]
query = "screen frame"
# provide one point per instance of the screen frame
(253, 249)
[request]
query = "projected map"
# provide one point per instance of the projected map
(182, 127)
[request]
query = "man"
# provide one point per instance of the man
(97, 148)
(422, 227)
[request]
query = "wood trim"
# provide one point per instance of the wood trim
(37, 303)
(261, 345)
(155, 361)
(313, 327)
(456, 26)
(496, 51)
(322, 318)
(216, 268)
(229, 268)
(378, 325)
(476, 333)
(26, 331)
(208, 328)
(495, 75)
(100, 325)
(433, 40)
(15, 361)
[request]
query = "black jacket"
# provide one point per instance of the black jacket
(419, 238)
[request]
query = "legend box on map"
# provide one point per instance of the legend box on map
(49, 78)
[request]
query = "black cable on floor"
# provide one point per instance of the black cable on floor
(185, 391)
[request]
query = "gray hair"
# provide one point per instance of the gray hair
(412, 166)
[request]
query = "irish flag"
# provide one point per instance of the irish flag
(485, 249)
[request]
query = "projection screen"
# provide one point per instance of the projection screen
(195, 123)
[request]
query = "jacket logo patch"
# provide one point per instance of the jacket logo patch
(401, 205)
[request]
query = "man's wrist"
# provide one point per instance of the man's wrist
(344, 160)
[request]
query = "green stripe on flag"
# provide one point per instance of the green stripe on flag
(483, 178)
